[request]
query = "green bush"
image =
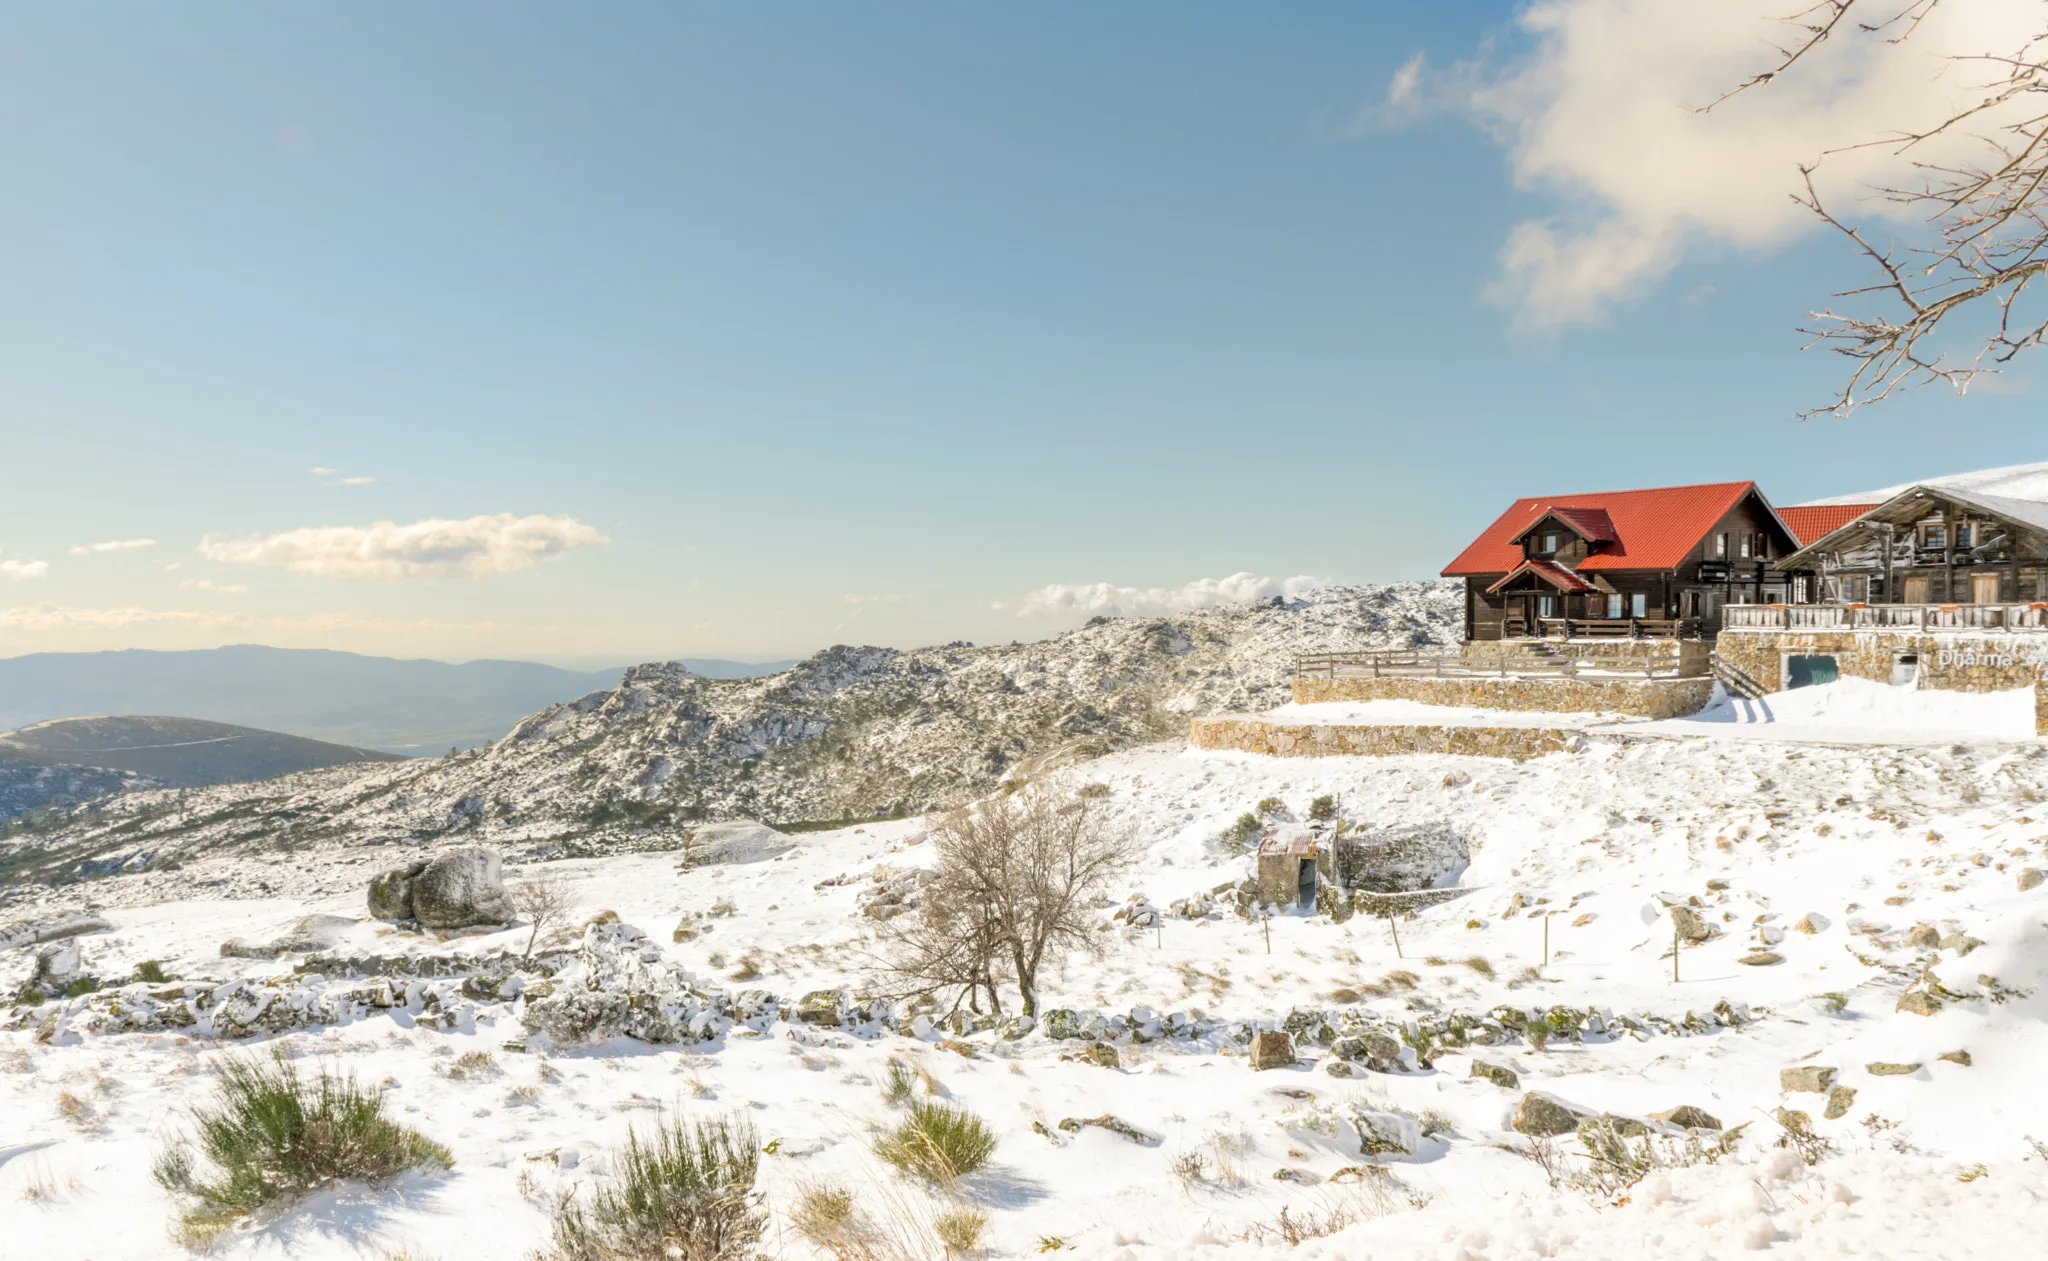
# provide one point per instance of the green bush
(270, 1136)
(1238, 836)
(900, 1083)
(152, 972)
(1322, 809)
(686, 1192)
(1270, 806)
(938, 1142)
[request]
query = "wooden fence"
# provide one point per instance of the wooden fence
(1898, 617)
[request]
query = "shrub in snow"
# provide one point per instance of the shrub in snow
(938, 1142)
(271, 1136)
(686, 1191)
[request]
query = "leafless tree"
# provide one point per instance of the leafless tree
(1009, 895)
(1985, 235)
(545, 901)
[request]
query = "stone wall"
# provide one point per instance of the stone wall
(1249, 734)
(1950, 661)
(1689, 655)
(1640, 698)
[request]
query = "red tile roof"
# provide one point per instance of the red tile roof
(1591, 524)
(1654, 529)
(1809, 523)
(1559, 577)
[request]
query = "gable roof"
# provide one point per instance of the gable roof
(1590, 524)
(1906, 505)
(1809, 521)
(1653, 528)
(1548, 570)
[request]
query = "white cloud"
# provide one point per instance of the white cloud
(431, 548)
(1601, 115)
(321, 470)
(1069, 598)
(112, 545)
(23, 570)
(208, 584)
(352, 481)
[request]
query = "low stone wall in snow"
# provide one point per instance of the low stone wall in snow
(1249, 734)
(1951, 661)
(1638, 698)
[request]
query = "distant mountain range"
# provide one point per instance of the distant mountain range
(178, 752)
(849, 733)
(341, 697)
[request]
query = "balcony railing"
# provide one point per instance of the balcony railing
(1895, 617)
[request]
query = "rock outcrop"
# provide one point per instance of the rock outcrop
(462, 888)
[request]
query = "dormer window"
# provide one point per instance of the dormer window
(1550, 545)
(1934, 536)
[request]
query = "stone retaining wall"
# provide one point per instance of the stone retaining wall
(1949, 662)
(1691, 655)
(1639, 698)
(1249, 734)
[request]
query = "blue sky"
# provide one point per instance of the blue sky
(822, 323)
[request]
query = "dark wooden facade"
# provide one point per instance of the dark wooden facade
(1932, 546)
(1580, 575)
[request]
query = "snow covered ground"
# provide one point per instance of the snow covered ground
(1859, 711)
(1867, 846)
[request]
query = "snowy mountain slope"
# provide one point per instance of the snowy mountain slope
(850, 733)
(2012, 481)
(1872, 849)
(31, 782)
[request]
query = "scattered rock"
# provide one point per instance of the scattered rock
(1807, 1078)
(1505, 1078)
(1924, 937)
(1689, 925)
(1300, 1177)
(1115, 1125)
(57, 967)
(1583, 920)
(1957, 1057)
(1621, 1126)
(1687, 1117)
(1101, 1053)
(2031, 878)
(1762, 958)
(1840, 1100)
(1897, 899)
(1387, 1133)
(1061, 1024)
(1961, 943)
(1272, 1048)
(1796, 1121)
(29, 932)
(1544, 1116)
(1811, 923)
(1885, 1068)
(459, 889)
(1919, 1003)
(822, 1007)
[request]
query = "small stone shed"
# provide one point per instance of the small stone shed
(1288, 866)
(1295, 862)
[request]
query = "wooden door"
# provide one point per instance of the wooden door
(1983, 588)
(1916, 590)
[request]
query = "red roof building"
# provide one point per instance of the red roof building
(1808, 523)
(1659, 561)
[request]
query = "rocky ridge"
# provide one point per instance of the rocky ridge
(851, 733)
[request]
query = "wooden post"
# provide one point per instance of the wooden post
(1546, 939)
(1396, 930)
(1267, 920)
(1674, 951)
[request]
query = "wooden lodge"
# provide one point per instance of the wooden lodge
(1653, 563)
(1933, 547)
